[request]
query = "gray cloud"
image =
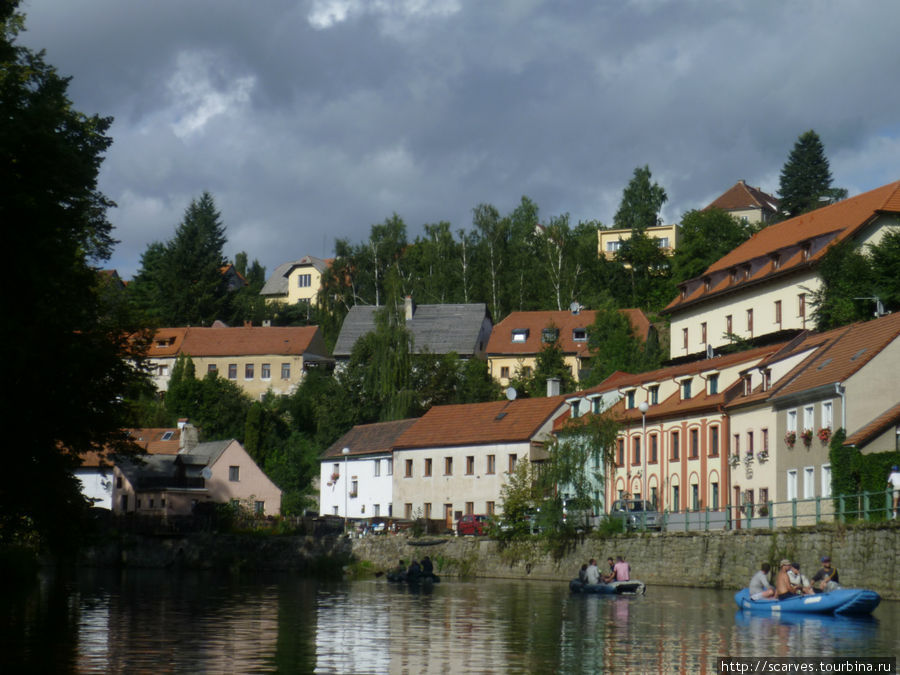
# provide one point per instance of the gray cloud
(310, 121)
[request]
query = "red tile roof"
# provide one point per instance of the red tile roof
(566, 321)
(743, 196)
(780, 248)
(368, 439)
(150, 440)
(480, 423)
(239, 341)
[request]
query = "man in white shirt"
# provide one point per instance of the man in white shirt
(894, 482)
(759, 585)
(593, 572)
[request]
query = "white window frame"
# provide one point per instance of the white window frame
(809, 416)
(791, 491)
(825, 479)
(792, 420)
(828, 414)
(809, 482)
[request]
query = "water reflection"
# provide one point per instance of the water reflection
(146, 621)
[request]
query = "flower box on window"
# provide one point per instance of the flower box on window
(335, 477)
(790, 438)
(762, 455)
(806, 435)
(824, 434)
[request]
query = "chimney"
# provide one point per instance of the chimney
(552, 386)
(248, 324)
(410, 307)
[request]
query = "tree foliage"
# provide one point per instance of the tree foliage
(614, 346)
(706, 236)
(68, 358)
(806, 177)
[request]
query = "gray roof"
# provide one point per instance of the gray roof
(158, 471)
(438, 329)
(277, 284)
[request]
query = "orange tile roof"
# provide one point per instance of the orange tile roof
(743, 196)
(501, 342)
(238, 341)
(755, 260)
(368, 439)
(149, 440)
(480, 423)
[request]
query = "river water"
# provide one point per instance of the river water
(141, 621)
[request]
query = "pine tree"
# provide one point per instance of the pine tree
(641, 202)
(806, 177)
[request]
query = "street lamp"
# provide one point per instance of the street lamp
(643, 406)
(345, 452)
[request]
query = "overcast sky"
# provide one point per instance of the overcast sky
(311, 120)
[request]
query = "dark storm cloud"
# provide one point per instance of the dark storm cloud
(312, 120)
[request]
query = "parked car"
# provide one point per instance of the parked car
(636, 514)
(580, 513)
(529, 522)
(476, 524)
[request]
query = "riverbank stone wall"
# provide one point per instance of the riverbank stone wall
(865, 557)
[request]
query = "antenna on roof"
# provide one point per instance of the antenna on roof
(575, 307)
(709, 351)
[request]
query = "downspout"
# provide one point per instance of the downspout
(841, 391)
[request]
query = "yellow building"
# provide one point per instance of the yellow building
(297, 281)
(609, 241)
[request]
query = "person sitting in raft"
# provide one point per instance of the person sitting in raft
(826, 578)
(582, 574)
(622, 569)
(593, 572)
(783, 587)
(799, 582)
(427, 567)
(759, 585)
(414, 570)
(611, 575)
(399, 570)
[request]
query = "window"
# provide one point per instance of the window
(336, 470)
(750, 321)
(266, 371)
(427, 466)
(390, 467)
(801, 305)
(259, 507)
(491, 464)
(211, 368)
(809, 482)
(778, 312)
(376, 510)
(685, 390)
(234, 474)
(285, 371)
(427, 510)
(654, 497)
(695, 443)
(304, 280)
(504, 372)
(749, 442)
(549, 335)
(575, 406)
(766, 379)
(248, 371)
(728, 325)
(579, 335)
(636, 454)
(377, 471)
(470, 465)
(764, 496)
(703, 333)
(714, 441)
(448, 466)
(747, 380)
(629, 399)
(512, 462)
(409, 468)
(654, 448)
(407, 511)
(792, 420)
(791, 491)
(490, 508)
(613, 246)
(662, 242)
(526, 371)
(713, 384)
(765, 440)
(676, 498)
(827, 414)
(826, 480)
(470, 508)
(695, 497)
(162, 371)
(675, 448)
(737, 444)
(714, 495)
(684, 337)
(808, 416)
(519, 334)
(620, 455)
(232, 371)
(654, 395)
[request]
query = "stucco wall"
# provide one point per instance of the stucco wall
(864, 557)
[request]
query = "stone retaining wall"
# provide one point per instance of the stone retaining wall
(863, 556)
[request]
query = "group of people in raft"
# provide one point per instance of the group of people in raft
(618, 571)
(789, 581)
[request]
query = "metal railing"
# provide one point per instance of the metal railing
(861, 506)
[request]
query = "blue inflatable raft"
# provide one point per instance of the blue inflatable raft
(843, 601)
(613, 588)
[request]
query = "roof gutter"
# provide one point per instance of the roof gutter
(841, 391)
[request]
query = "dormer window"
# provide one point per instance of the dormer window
(685, 389)
(575, 406)
(734, 274)
(746, 271)
(766, 379)
(520, 335)
(629, 399)
(706, 284)
(776, 261)
(713, 382)
(748, 385)
(654, 394)
(579, 335)
(805, 250)
(549, 335)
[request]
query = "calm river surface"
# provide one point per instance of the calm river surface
(142, 621)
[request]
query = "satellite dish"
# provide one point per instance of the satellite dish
(206, 473)
(511, 393)
(709, 351)
(575, 307)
